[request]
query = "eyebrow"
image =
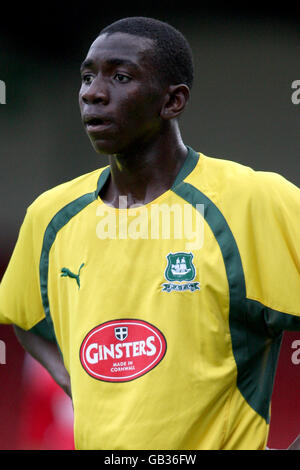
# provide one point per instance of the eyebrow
(112, 62)
(86, 64)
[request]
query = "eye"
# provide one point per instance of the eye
(120, 77)
(87, 78)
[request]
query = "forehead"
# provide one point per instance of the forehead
(122, 46)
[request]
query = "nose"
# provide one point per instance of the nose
(95, 92)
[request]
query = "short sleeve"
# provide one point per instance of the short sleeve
(271, 248)
(20, 297)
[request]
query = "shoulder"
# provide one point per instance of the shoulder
(50, 202)
(230, 181)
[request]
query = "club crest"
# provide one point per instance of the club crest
(180, 271)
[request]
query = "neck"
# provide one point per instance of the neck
(142, 174)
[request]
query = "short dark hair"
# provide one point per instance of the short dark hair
(172, 53)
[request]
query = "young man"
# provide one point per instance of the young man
(161, 284)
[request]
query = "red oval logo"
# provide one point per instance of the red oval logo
(122, 350)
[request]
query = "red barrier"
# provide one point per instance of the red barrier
(285, 412)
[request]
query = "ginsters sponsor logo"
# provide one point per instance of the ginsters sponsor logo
(122, 350)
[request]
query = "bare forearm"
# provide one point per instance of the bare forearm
(47, 354)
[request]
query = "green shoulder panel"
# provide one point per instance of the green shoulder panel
(256, 331)
(44, 330)
(62, 217)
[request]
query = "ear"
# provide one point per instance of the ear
(175, 101)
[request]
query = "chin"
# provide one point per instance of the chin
(103, 147)
(109, 147)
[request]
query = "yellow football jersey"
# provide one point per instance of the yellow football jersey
(169, 316)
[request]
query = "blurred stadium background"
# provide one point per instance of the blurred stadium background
(241, 109)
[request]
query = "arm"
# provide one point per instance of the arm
(47, 354)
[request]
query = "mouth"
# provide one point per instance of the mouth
(96, 124)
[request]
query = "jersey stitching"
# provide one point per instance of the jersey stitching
(225, 432)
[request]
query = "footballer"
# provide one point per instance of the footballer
(161, 344)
